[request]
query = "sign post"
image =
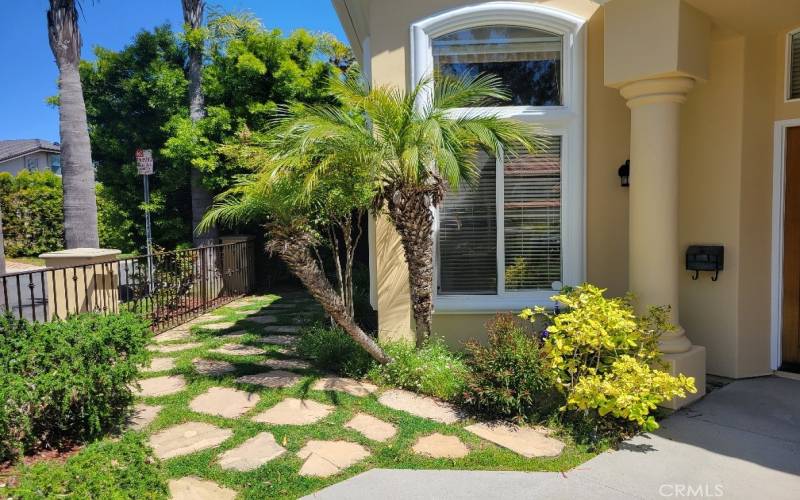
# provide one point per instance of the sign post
(144, 164)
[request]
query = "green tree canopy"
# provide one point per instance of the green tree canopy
(136, 98)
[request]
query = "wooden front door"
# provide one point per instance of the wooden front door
(790, 338)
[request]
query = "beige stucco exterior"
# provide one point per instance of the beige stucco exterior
(734, 53)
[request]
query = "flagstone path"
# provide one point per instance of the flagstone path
(255, 384)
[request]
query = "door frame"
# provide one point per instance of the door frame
(778, 206)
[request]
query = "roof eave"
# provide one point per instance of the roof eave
(352, 15)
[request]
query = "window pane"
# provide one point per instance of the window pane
(532, 204)
(468, 236)
(794, 68)
(527, 60)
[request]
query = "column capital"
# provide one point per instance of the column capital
(657, 90)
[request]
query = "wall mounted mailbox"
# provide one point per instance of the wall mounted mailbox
(705, 258)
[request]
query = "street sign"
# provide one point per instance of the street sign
(144, 164)
(144, 161)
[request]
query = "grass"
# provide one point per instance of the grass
(278, 478)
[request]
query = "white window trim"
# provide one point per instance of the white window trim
(566, 120)
(788, 68)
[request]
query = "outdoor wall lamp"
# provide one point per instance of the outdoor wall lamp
(624, 173)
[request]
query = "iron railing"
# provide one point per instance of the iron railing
(169, 288)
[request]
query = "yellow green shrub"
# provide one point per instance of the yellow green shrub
(605, 358)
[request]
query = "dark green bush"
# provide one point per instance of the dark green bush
(66, 381)
(331, 348)
(433, 369)
(124, 469)
(508, 377)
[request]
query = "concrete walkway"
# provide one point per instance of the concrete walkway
(739, 442)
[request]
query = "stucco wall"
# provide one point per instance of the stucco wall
(710, 182)
(608, 131)
(725, 183)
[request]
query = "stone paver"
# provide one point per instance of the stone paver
(159, 365)
(277, 339)
(173, 347)
(440, 446)
(273, 379)
(348, 385)
(194, 488)
(286, 364)
(252, 454)
(224, 402)
(421, 406)
(264, 319)
(286, 351)
(233, 335)
(142, 416)
(187, 438)
(238, 350)
(293, 411)
(212, 367)
(161, 386)
(526, 441)
(171, 335)
(371, 427)
(223, 325)
(326, 458)
(281, 329)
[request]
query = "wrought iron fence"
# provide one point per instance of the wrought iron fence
(169, 288)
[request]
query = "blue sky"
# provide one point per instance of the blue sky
(29, 72)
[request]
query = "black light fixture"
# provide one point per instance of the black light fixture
(624, 173)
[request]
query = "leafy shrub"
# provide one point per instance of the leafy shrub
(508, 377)
(66, 381)
(432, 369)
(33, 215)
(600, 355)
(124, 469)
(332, 349)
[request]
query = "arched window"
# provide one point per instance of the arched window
(519, 235)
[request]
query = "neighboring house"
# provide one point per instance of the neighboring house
(29, 154)
(703, 98)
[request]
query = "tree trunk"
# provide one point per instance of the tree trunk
(294, 248)
(410, 211)
(201, 197)
(77, 169)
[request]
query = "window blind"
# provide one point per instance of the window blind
(468, 236)
(532, 218)
(794, 67)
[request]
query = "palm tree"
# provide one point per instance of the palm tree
(77, 170)
(417, 146)
(201, 197)
(292, 217)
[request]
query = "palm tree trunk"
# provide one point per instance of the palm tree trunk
(77, 169)
(201, 197)
(410, 212)
(294, 248)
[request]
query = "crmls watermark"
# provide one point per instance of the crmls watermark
(679, 490)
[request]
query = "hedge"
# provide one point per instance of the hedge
(68, 381)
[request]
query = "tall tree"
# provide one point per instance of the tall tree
(201, 197)
(416, 152)
(80, 205)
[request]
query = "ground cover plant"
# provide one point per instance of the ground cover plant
(432, 369)
(122, 470)
(279, 478)
(66, 382)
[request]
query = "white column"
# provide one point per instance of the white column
(654, 252)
